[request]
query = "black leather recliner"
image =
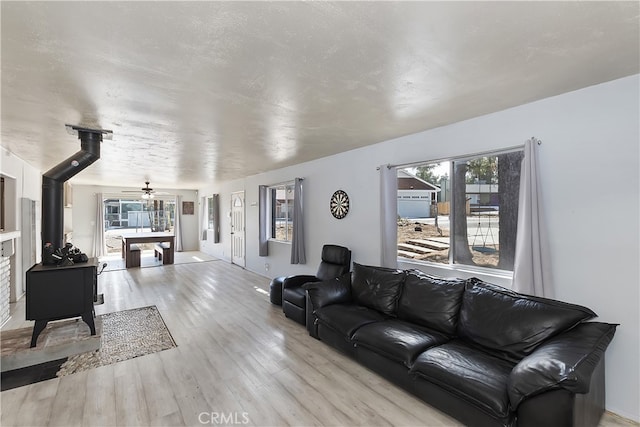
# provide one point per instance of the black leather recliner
(336, 261)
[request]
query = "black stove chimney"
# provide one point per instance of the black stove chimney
(53, 182)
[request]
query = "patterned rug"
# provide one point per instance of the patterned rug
(125, 335)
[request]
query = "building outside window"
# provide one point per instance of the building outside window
(281, 199)
(462, 211)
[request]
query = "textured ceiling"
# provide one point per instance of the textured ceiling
(202, 91)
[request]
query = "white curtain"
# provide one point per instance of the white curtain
(263, 239)
(532, 269)
(204, 219)
(298, 255)
(99, 245)
(177, 228)
(389, 216)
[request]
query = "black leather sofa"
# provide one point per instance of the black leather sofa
(479, 352)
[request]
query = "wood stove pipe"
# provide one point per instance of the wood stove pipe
(53, 182)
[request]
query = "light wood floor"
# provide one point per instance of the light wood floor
(238, 361)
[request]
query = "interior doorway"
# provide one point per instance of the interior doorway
(237, 228)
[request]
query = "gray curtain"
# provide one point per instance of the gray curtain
(216, 218)
(297, 239)
(204, 219)
(263, 209)
(389, 216)
(177, 229)
(99, 244)
(532, 269)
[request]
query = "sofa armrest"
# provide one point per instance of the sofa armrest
(566, 361)
(333, 291)
(297, 281)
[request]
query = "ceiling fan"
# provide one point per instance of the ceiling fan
(147, 192)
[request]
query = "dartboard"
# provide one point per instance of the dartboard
(339, 204)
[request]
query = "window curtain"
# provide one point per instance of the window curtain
(216, 218)
(297, 239)
(263, 243)
(99, 244)
(177, 228)
(204, 218)
(532, 269)
(389, 216)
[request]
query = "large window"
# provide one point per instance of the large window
(132, 215)
(281, 207)
(460, 212)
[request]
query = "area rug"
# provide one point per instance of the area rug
(125, 335)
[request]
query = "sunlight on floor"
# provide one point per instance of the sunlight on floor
(260, 290)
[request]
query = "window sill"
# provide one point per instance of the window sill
(492, 275)
(286, 242)
(9, 235)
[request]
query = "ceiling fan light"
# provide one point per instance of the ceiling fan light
(145, 196)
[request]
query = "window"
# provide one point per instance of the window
(463, 211)
(130, 215)
(281, 208)
(211, 216)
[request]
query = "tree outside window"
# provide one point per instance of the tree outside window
(471, 218)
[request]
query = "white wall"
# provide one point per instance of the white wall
(84, 215)
(28, 184)
(589, 161)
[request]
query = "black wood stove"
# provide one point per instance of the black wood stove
(55, 293)
(58, 290)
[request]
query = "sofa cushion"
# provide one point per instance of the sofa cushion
(477, 377)
(566, 361)
(376, 287)
(512, 325)
(336, 261)
(397, 340)
(347, 318)
(431, 301)
(332, 291)
(296, 296)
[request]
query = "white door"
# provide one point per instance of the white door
(237, 228)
